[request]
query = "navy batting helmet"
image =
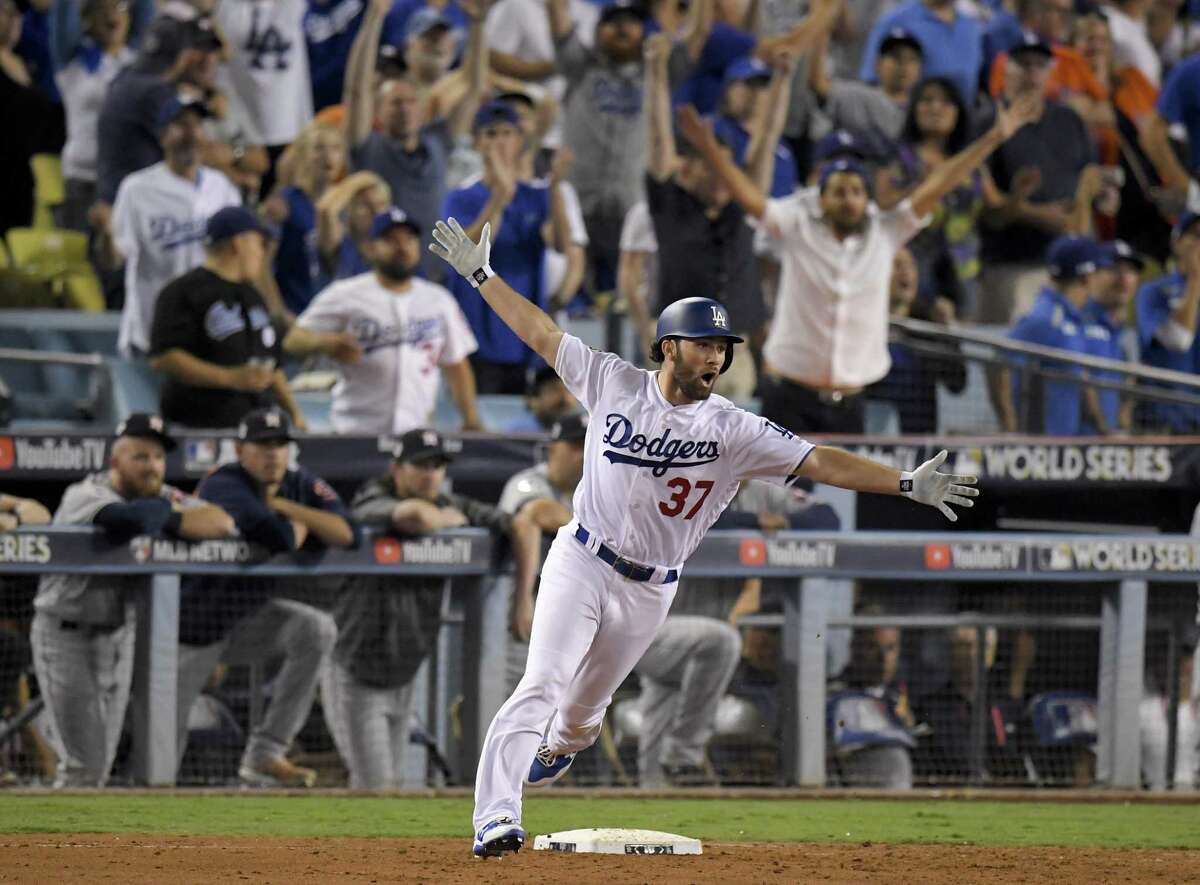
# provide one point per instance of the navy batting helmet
(694, 318)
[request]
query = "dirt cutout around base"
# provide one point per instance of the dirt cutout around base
(190, 859)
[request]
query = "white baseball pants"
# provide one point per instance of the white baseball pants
(590, 627)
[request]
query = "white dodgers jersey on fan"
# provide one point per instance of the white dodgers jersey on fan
(266, 77)
(406, 337)
(657, 476)
(158, 224)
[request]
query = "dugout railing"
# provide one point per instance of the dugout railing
(472, 661)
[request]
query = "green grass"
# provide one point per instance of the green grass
(726, 820)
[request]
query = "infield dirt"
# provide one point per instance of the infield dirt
(190, 859)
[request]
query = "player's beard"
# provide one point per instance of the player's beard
(692, 385)
(396, 271)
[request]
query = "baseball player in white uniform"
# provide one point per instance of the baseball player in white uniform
(663, 456)
(159, 216)
(266, 75)
(409, 332)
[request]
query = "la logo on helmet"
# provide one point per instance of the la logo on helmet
(718, 317)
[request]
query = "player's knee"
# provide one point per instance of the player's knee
(320, 630)
(727, 642)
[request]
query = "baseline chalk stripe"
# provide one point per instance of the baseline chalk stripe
(613, 840)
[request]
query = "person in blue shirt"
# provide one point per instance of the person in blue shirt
(1050, 405)
(330, 27)
(746, 88)
(1178, 105)
(299, 268)
(1167, 310)
(516, 210)
(1105, 335)
(951, 43)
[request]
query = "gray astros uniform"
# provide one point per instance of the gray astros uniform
(684, 672)
(83, 638)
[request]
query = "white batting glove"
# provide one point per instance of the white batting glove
(939, 490)
(453, 246)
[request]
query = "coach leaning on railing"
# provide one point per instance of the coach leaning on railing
(84, 630)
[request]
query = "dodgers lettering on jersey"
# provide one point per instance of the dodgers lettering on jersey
(406, 339)
(158, 225)
(657, 476)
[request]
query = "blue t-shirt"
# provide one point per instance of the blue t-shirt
(1102, 338)
(298, 270)
(1053, 322)
(1154, 304)
(329, 31)
(783, 179)
(1002, 33)
(350, 262)
(725, 45)
(517, 253)
(1180, 103)
(953, 50)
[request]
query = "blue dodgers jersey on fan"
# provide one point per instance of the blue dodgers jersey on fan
(518, 251)
(329, 30)
(1103, 339)
(725, 45)
(298, 269)
(1154, 304)
(1053, 322)
(1180, 103)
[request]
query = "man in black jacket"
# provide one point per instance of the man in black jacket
(83, 632)
(386, 626)
(240, 620)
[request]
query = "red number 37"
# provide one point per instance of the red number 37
(683, 488)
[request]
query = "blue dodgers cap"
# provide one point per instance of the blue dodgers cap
(232, 221)
(1186, 220)
(900, 37)
(495, 112)
(1073, 256)
(1119, 250)
(389, 218)
(173, 107)
(746, 68)
(425, 20)
(839, 143)
(622, 8)
(846, 165)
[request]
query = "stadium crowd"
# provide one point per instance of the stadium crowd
(257, 180)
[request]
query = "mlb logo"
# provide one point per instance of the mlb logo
(200, 452)
(141, 548)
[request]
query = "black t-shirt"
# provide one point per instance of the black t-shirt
(127, 128)
(220, 322)
(710, 257)
(1059, 146)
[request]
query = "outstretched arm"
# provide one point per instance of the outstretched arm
(955, 170)
(699, 133)
(528, 321)
(925, 485)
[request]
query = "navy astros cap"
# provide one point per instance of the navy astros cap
(570, 428)
(145, 426)
(232, 221)
(423, 444)
(389, 218)
(1031, 42)
(266, 425)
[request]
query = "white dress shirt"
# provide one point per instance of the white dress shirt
(831, 313)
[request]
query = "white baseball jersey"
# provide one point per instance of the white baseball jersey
(266, 77)
(657, 476)
(406, 338)
(158, 223)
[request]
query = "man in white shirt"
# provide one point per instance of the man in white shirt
(407, 328)
(518, 35)
(159, 218)
(828, 340)
(266, 73)
(1131, 42)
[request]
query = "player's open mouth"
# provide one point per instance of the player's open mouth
(708, 377)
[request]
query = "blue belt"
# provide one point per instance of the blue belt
(623, 566)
